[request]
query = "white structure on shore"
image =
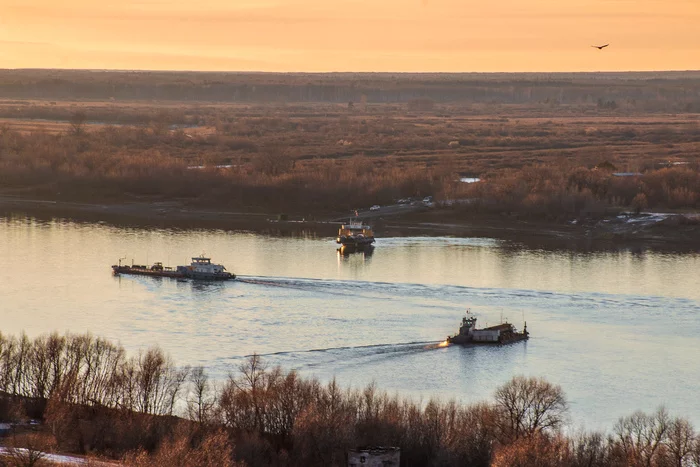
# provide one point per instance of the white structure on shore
(374, 457)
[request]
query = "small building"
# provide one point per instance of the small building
(377, 456)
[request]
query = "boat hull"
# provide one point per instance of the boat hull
(353, 247)
(355, 242)
(465, 340)
(118, 270)
(227, 276)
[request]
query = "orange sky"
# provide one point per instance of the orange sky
(351, 35)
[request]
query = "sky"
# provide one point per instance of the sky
(351, 35)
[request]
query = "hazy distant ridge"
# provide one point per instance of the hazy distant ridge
(564, 88)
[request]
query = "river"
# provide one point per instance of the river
(619, 331)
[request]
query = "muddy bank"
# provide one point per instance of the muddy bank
(657, 231)
(170, 215)
(660, 231)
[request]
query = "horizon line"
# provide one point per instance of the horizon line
(299, 72)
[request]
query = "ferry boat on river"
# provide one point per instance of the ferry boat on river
(355, 236)
(201, 268)
(504, 333)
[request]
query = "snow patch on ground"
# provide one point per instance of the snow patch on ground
(644, 218)
(57, 458)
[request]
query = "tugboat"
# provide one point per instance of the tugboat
(355, 236)
(201, 268)
(504, 333)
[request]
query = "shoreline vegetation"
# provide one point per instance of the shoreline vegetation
(555, 154)
(93, 399)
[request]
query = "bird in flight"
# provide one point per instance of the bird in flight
(600, 47)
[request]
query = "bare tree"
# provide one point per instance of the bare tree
(7, 352)
(680, 442)
(158, 382)
(214, 450)
(273, 161)
(589, 450)
(695, 454)
(538, 450)
(77, 122)
(25, 451)
(641, 436)
(529, 405)
(201, 401)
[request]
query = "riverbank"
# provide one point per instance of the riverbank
(659, 231)
(107, 414)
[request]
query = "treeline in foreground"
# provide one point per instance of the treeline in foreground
(144, 410)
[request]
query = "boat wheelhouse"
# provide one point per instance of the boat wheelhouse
(201, 267)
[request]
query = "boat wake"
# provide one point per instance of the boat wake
(334, 287)
(364, 350)
(445, 296)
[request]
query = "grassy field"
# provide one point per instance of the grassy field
(544, 145)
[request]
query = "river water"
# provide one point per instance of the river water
(619, 331)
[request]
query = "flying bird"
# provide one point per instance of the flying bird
(600, 47)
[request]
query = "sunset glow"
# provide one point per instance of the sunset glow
(351, 35)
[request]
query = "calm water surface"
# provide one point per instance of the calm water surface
(619, 331)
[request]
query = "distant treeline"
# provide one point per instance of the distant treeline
(145, 410)
(679, 91)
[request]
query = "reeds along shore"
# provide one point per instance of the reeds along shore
(145, 410)
(273, 160)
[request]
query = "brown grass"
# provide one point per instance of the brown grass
(317, 157)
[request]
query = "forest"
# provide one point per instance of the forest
(94, 399)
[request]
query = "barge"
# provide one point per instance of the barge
(504, 333)
(201, 268)
(355, 236)
(157, 270)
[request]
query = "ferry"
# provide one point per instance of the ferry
(200, 268)
(355, 236)
(504, 333)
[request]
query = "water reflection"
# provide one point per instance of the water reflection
(364, 253)
(206, 287)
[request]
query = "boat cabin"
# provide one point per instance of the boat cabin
(355, 228)
(202, 264)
